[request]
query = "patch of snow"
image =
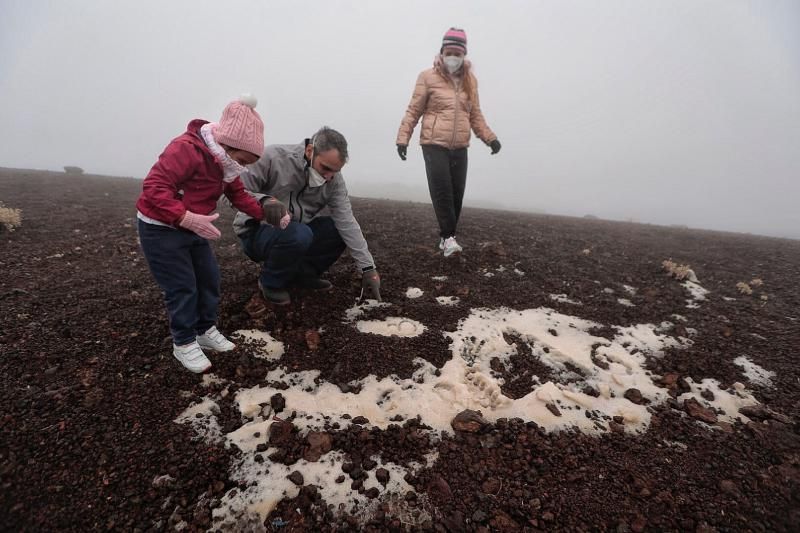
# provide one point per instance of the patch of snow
(393, 326)
(439, 278)
(413, 292)
(755, 373)
(202, 417)
(269, 348)
(726, 402)
(564, 299)
(629, 289)
(435, 395)
(696, 290)
(448, 300)
(625, 302)
(267, 484)
(466, 382)
(358, 309)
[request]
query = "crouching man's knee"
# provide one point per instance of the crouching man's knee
(297, 236)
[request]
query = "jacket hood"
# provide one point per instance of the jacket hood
(193, 132)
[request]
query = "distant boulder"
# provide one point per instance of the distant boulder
(73, 170)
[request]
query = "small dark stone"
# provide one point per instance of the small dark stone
(469, 421)
(382, 475)
(634, 396)
(357, 473)
(553, 409)
(277, 402)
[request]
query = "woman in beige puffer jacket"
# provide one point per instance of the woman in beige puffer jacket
(446, 97)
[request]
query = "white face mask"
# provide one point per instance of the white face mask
(453, 63)
(315, 179)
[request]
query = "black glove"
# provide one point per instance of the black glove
(402, 150)
(495, 146)
(274, 211)
(371, 284)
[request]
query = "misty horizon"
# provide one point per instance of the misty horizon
(678, 114)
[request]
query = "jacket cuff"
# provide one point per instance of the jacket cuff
(264, 199)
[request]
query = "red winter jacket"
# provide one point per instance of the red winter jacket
(186, 177)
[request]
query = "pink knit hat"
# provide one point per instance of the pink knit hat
(241, 127)
(455, 37)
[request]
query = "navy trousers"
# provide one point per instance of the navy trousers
(300, 250)
(185, 268)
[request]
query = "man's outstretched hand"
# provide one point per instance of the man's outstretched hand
(371, 285)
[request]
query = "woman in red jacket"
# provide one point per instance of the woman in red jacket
(175, 222)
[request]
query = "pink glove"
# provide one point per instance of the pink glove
(285, 220)
(201, 224)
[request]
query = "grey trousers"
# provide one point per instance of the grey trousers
(447, 179)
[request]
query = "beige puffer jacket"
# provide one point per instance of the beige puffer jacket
(446, 111)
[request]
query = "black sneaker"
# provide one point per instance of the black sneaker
(275, 296)
(314, 284)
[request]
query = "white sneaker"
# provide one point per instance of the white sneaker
(212, 339)
(192, 357)
(450, 247)
(441, 243)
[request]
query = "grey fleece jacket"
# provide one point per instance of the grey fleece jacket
(281, 174)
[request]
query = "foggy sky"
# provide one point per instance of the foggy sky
(668, 112)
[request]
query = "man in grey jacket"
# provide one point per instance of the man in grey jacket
(310, 221)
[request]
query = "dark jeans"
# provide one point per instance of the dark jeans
(447, 178)
(185, 268)
(300, 250)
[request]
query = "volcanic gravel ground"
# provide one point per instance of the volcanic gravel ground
(91, 390)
